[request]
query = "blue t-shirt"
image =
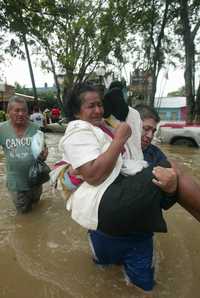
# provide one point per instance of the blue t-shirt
(153, 155)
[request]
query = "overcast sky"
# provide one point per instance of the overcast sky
(17, 71)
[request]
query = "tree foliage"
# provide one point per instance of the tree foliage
(75, 37)
(179, 92)
(47, 99)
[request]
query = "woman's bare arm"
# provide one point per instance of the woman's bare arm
(96, 171)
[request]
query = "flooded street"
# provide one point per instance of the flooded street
(46, 255)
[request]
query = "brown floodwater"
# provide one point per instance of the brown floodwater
(46, 255)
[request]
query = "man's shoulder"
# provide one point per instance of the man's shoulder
(154, 147)
(155, 150)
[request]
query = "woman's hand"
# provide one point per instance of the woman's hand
(122, 132)
(71, 171)
(165, 178)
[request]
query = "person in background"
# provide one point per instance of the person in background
(47, 116)
(55, 114)
(15, 138)
(38, 118)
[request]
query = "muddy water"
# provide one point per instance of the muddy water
(46, 255)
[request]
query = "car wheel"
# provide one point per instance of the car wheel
(184, 142)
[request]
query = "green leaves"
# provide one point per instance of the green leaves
(75, 36)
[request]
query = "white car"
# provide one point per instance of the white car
(179, 134)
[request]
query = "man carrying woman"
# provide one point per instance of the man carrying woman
(118, 195)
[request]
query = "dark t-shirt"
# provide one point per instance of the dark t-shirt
(153, 155)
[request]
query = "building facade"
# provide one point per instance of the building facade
(171, 108)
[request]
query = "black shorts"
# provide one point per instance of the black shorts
(132, 204)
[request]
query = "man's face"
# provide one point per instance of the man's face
(18, 114)
(148, 129)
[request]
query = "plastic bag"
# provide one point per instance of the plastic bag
(38, 173)
(37, 143)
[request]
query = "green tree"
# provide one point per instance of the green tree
(179, 92)
(1, 51)
(73, 37)
(190, 23)
(46, 99)
(153, 22)
(16, 19)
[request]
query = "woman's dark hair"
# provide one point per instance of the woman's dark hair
(73, 99)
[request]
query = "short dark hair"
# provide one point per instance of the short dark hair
(16, 99)
(73, 99)
(147, 112)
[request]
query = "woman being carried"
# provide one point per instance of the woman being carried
(115, 197)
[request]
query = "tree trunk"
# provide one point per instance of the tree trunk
(197, 109)
(30, 68)
(153, 89)
(157, 58)
(58, 91)
(189, 61)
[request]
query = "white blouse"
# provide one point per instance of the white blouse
(84, 142)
